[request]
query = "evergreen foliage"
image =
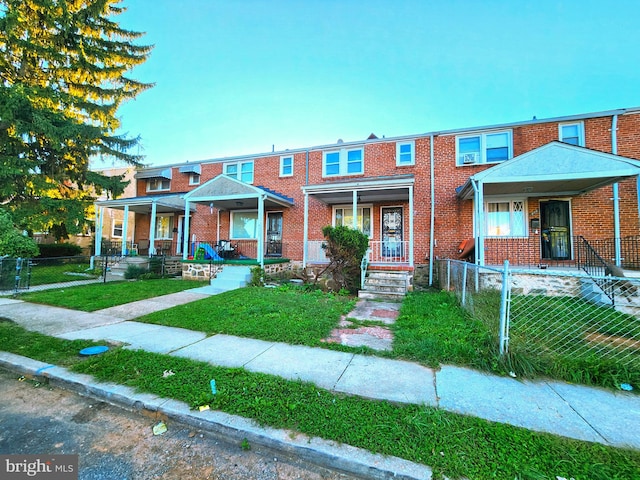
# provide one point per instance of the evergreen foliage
(63, 66)
(12, 242)
(345, 248)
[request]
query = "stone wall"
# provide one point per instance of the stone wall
(199, 271)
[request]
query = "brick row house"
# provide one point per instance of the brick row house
(527, 192)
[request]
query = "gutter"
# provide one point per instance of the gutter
(433, 213)
(616, 193)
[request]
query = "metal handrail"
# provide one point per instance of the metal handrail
(364, 264)
(595, 266)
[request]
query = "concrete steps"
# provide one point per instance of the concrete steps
(385, 285)
(229, 278)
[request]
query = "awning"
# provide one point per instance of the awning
(154, 173)
(369, 190)
(164, 203)
(195, 168)
(226, 193)
(554, 169)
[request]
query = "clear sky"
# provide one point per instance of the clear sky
(237, 77)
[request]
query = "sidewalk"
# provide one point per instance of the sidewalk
(574, 411)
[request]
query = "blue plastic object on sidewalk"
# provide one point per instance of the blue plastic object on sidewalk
(94, 350)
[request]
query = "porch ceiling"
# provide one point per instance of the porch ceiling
(553, 169)
(164, 204)
(369, 190)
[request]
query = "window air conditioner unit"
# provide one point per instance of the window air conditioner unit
(470, 158)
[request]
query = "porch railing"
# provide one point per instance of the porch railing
(595, 266)
(379, 252)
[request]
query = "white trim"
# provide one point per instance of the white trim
(232, 214)
(349, 206)
(412, 160)
(481, 155)
(510, 199)
(343, 162)
(238, 175)
(580, 125)
(401, 207)
(282, 159)
(114, 222)
(192, 178)
(162, 181)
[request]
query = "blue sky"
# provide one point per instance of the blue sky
(238, 77)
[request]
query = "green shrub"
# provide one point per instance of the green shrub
(59, 250)
(345, 248)
(257, 277)
(134, 272)
(12, 242)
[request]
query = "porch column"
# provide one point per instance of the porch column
(98, 234)
(479, 221)
(185, 231)
(355, 209)
(305, 230)
(411, 225)
(261, 232)
(152, 230)
(125, 228)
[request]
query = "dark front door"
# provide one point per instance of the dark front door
(392, 245)
(274, 234)
(556, 231)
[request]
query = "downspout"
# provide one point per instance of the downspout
(306, 168)
(433, 211)
(478, 221)
(616, 193)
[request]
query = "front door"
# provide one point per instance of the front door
(392, 246)
(556, 231)
(274, 234)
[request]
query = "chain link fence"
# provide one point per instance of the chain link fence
(552, 316)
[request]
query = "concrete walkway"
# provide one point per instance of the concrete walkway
(579, 412)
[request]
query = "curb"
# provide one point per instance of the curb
(325, 453)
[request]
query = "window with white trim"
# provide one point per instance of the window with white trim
(484, 148)
(242, 171)
(343, 216)
(164, 227)
(506, 218)
(117, 228)
(343, 162)
(158, 184)
(194, 179)
(405, 153)
(572, 133)
(286, 166)
(244, 225)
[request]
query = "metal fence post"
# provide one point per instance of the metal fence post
(464, 284)
(448, 275)
(504, 322)
(18, 268)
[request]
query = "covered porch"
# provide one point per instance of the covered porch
(381, 207)
(549, 176)
(163, 234)
(253, 229)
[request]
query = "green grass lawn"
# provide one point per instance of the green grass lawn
(453, 445)
(287, 315)
(97, 296)
(68, 272)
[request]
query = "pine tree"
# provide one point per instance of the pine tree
(63, 67)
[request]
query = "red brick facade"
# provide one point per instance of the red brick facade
(591, 214)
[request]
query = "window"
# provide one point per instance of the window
(343, 162)
(405, 154)
(164, 225)
(116, 231)
(483, 148)
(286, 166)
(158, 184)
(242, 171)
(244, 225)
(194, 179)
(506, 218)
(572, 133)
(343, 216)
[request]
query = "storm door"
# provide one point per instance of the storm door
(274, 234)
(392, 245)
(556, 230)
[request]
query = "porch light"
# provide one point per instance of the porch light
(211, 208)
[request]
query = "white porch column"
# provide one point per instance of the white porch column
(185, 231)
(125, 228)
(98, 234)
(355, 209)
(411, 225)
(479, 221)
(261, 232)
(152, 230)
(305, 231)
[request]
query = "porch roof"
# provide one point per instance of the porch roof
(164, 203)
(554, 169)
(227, 193)
(369, 190)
